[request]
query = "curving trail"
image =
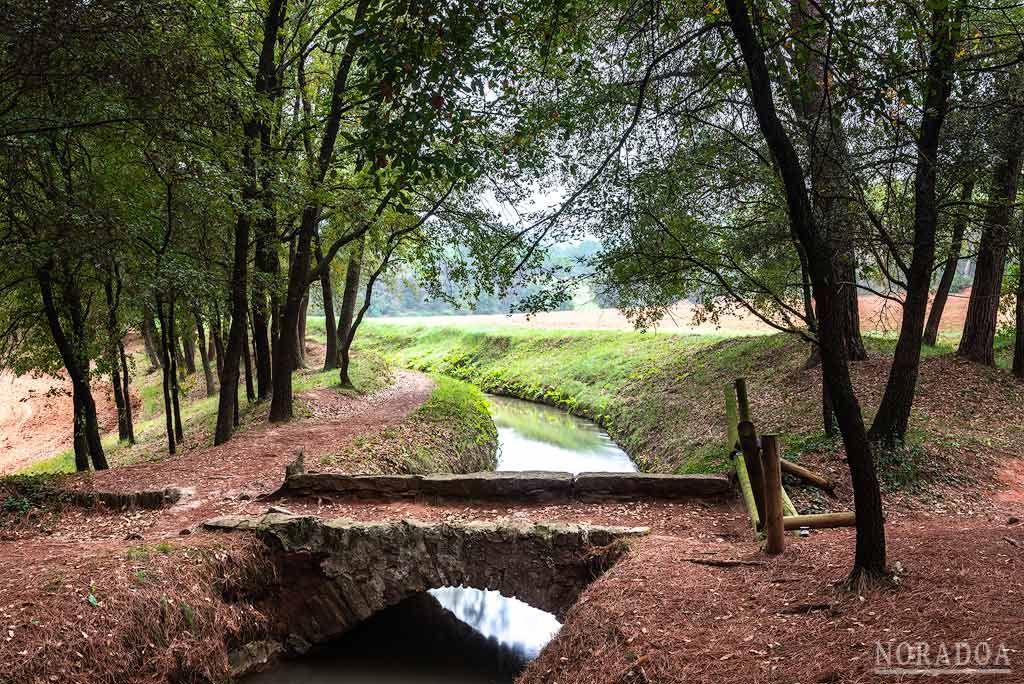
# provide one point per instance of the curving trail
(35, 417)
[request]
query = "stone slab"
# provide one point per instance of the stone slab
(501, 484)
(590, 486)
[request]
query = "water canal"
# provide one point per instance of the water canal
(463, 635)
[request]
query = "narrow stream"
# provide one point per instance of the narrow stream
(462, 635)
(537, 437)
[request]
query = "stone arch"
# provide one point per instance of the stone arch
(333, 574)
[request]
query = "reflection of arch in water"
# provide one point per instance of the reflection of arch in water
(508, 621)
(333, 575)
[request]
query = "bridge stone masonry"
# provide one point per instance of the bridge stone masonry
(333, 574)
(506, 485)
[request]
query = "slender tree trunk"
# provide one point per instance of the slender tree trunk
(179, 430)
(869, 559)
(165, 366)
(978, 338)
(217, 342)
(126, 391)
(893, 417)
(188, 348)
(348, 307)
(299, 353)
(266, 267)
(330, 328)
(178, 358)
(204, 356)
(80, 444)
(73, 354)
(956, 241)
(114, 344)
(147, 339)
(211, 350)
(250, 391)
(227, 405)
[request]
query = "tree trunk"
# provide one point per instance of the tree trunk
(250, 391)
(179, 430)
(281, 405)
(165, 366)
(828, 156)
(300, 333)
(147, 339)
(227, 404)
(869, 559)
(80, 444)
(893, 417)
(179, 357)
(349, 296)
(956, 241)
(978, 338)
(188, 348)
(113, 356)
(217, 342)
(266, 266)
(126, 391)
(204, 356)
(74, 356)
(330, 327)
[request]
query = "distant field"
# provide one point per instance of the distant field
(878, 315)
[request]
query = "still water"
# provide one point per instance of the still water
(538, 437)
(460, 635)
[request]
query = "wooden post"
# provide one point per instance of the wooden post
(752, 456)
(775, 541)
(744, 402)
(742, 476)
(731, 418)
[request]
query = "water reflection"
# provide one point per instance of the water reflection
(421, 641)
(508, 621)
(537, 437)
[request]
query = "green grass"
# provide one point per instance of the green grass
(451, 431)
(619, 379)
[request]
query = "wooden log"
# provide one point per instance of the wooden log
(752, 457)
(787, 504)
(808, 476)
(775, 540)
(821, 520)
(748, 493)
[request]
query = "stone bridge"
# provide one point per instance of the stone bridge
(333, 574)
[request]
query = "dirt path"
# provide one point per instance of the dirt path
(35, 417)
(252, 463)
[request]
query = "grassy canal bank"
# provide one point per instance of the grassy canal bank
(660, 396)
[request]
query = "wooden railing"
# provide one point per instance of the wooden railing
(759, 469)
